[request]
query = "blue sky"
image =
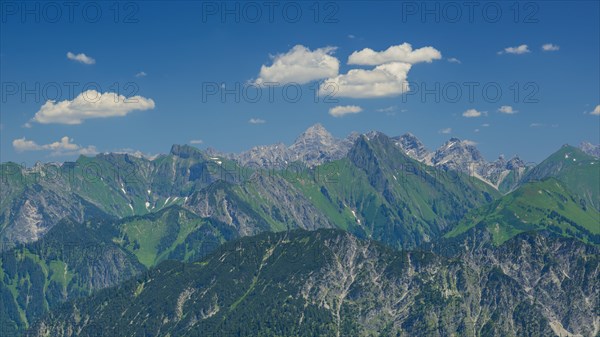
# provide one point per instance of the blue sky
(171, 54)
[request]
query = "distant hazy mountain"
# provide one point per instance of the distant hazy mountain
(413, 148)
(317, 146)
(463, 156)
(313, 147)
(591, 149)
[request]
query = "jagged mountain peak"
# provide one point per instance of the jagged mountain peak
(515, 162)
(591, 149)
(413, 147)
(316, 132)
(409, 138)
(374, 134)
(185, 151)
(456, 149)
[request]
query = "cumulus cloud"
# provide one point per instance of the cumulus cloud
(472, 113)
(469, 142)
(507, 109)
(522, 49)
(454, 60)
(550, 47)
(446, 131)
(342, 110)
(385, 80)
(62, 147)
(257, 121)
(400, 53)
(388, 109)
(81, 58)
(596, 111)
(90, 104)
(536, 125)
(141, 74)
(196, 141)
(300, 65)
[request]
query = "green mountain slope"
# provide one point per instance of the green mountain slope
(376, 191)
(172, 233)
(395, 199)
(32, 200)
(542, 205)
(75, 259)
(578, 170)
(71, 261)
(329, 283)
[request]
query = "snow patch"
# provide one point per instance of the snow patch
(355, 217)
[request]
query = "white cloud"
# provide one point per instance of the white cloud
(63, 147)
(536, 125)
(485, 125)
(446, 131)
(454, 60)
(257, 121)
(476, 130)
(469, 142)
(350, 36)
(522, 49)
(385, 80)
(90, 104)
(550, 47)
(300, 65)
(400, 53)
(81, 58)
(22, 144)
(596, 111)
(342, 110)
(141, 74)
(507, 109)
(388, 109)
(471, 113)
(196, 141)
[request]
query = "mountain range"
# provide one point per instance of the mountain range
(388, 238)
